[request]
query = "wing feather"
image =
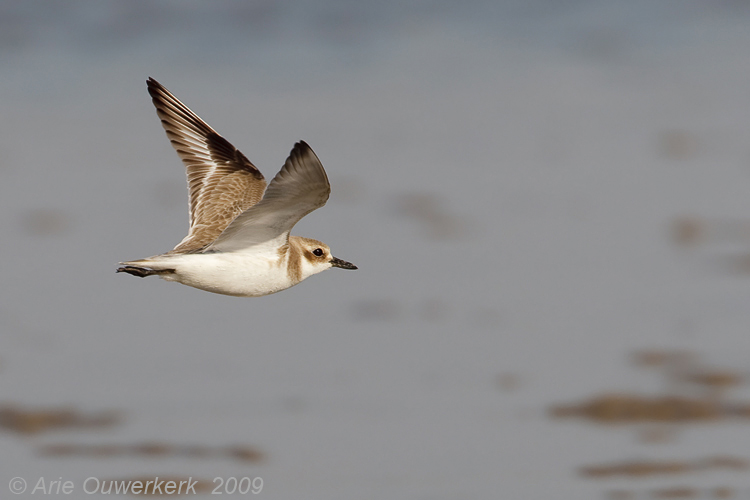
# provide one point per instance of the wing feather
(300, 187)
(222, 182)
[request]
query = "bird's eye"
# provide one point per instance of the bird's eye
(318, 252)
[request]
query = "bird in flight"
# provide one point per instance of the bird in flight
(239, 242)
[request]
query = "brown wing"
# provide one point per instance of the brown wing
(222, 183)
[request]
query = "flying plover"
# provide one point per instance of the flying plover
(239, 242)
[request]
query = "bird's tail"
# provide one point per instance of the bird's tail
(141, 269)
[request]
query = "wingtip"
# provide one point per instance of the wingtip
(155, 88)
(301, 147)
(302, 151)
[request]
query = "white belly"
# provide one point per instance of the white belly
(236, 274)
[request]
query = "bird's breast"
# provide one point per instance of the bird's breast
(240, 274)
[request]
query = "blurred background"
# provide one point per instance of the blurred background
(549, 205)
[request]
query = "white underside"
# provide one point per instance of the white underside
(243, 274)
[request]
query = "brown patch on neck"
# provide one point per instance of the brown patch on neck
(293, 261)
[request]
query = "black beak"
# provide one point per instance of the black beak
(342, 263)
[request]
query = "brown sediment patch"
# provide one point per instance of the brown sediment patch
(635, 469)
(674, 492)
(722, 492)
(631, 408)
(694, 393)
(715, 378)
(642, 468)
(154, 449)
(688, 231)
(685, 373)
(662, 357)
(26, 421)
(242, 453)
